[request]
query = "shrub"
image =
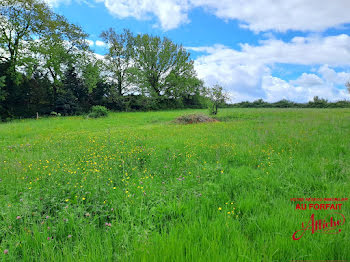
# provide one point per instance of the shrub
(194, 118)
(53, 113)
(98, 111)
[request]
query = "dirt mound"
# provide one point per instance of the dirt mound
(194, 118)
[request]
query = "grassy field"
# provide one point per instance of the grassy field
(137, 187)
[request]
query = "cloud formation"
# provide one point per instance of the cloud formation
(100, 43)
(90, 42)
(170, 13)
(282, 15)
(301, 89)
(248, 73)
(257, 15)
(55, 3)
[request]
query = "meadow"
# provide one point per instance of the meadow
(138, 187)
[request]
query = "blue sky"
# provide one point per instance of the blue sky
(287, 49)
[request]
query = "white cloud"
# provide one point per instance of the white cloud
(170, 13)
(100, 43)
(331, 50)
(257, 15)
(277, 89)
(55, 3)
(246, 73)
(90, 42)
(99, 57)
(308, 80)
(282, 15)
(331, 76)
(334, 50)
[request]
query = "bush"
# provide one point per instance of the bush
(53, 113)
(98, 111)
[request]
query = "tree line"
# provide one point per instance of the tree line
(46, 66)
(315, 103)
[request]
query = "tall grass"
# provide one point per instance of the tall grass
(137, 187)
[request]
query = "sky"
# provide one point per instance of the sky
(269, 49)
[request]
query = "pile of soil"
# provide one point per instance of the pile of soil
(194, 118)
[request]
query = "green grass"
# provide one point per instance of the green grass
(160, 186)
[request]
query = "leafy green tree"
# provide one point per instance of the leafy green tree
(318, 102)
(165, 68)
(45, 65)
(2, 85)
(120, 65)
(2, 81)
(62, 45)
(38, 96)
(74, 92)
(100, 93)
(217, 97)
(34, 39)
(91, 76)
(2, 95)
(21, 22)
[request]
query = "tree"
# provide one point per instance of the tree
(46, 65)
(217, 97)
(120, 64)
(21, 21)
(165, 68)
(2, 81)
(91, 75)
(2, 84)
(2, 96)
(63, 45)
(348, 86)
(34, 39)
(318, 102)
(73, 95)
(38, 95)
